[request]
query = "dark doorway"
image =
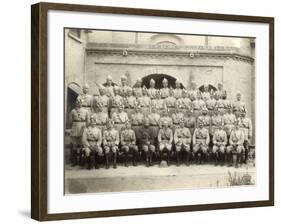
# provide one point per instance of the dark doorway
(211, 87)
(73, 90)
(158, 78)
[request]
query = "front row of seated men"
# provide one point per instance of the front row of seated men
(155, 142)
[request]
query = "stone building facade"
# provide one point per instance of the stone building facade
(92, 55)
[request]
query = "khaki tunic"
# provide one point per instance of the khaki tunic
(238, 106)
(145, 103)
(115, 102)
(92, 139)
(111, 140)
(101, 119)
(78, 120)
(177, 117)
(87, 101)
(190, 123)
(177, 93)
(154, 119)
(130, 104)
(128, 139)
(165, 138)
(229, 120)
(216, 121)
(245, 124)
(164, 92)
(170, 103)
(120, 119)
(206, 119)
(236, 138)
(152, 92)
(137, 122)
(182, 136)
(201, 139)
(219, 140)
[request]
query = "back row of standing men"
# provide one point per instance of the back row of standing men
(172, 117)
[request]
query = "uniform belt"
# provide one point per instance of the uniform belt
(90, 140)
(200, 138)
(86, 106)
(119, 122)
(154, 125)
(79, 121)
(136, 124)
(196, 109)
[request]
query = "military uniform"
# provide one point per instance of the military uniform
(116, 102)
(219, 141)
(184, 104)
(128, 143)
(158, 104)
(78, 120)
(236, 148)
(238, 107)
(177, 92)
(103, 102)
(165, 139)
(221, 106)
(152, 92)
(205, 96)
(197, 106)
(206, 120)
(245, 125)
(137, 122)
(147, 142)
(87, 101)
(177, 117)
(211, 104)
(201, 140)
(182, 140)
(130, 104)
(164, 92)
(110, 143)
(119, 118)
(154, 119)
(144, 103)
(217, 120)
(91, 140)
(190, 123)
(170, 103)
(166, 118)
(229, 119)
(101, 118)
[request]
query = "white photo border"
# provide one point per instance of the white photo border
(60, 203)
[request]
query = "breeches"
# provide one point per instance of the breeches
(108, 149)
(220, 148)
(165, 145)
(200, 147)
(183, 146)
(93, 149)
(127, 148)
(147, 148)
(231, 148)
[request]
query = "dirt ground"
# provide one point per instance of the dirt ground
(141, 178)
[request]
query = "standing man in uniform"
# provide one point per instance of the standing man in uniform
(235, 149)
(245, 125)
(110, 143)
(147, 142)
(109, 86)
(211, 104)
(198, 105)
(124, 86)
(152, 92)
(130, 102)
(182, 140)
(238, 106)
(86, 99)
(219, 91)
(144, 101)
(119, 118)
(190, 121)
(201, 140)
(165, 91)
(219, 144)
(100, 117)
(206, 93)
(229, 120)
(178, 90)
(166, 118)
(206, 119)
(136, 120)
(78, 120)
(128, 143)
(170, 102)
(102, 99)
(116, 100)
(158, 103)
(137, 90)
(165, 139)
(184, 102)
(154, 121)
(91, 140)
(193, 91)
(177, 116)
(217, 121)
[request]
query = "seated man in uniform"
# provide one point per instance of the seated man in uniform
(229, 119)
(79, 118)
(165, 139)
(91, 140)
(177, 116)
(219, 144)
(100, 117)
(165, 91)
(235, 149)
(190, 121)
(182, 140)
(201, 140)
(110, 143)
(128, 142)
(147, 142)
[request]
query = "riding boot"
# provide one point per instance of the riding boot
(178, 158)
(168, 159)
(199, 159)
(126, 158)
(135, 159)
(106, 161)
(187, 158)
(90, 161)
(114, 160)
(147, 158)
(216, 158)
(150, 158)
(97, 160)
(235, 160)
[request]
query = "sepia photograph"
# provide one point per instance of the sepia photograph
(150, 111)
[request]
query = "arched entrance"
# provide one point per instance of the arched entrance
(73, 90)
(211, 87)
(158, 78)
